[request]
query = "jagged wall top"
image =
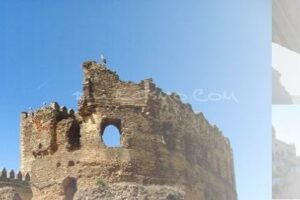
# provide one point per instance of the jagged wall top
(103, 89)
(54, 107)
(11, 178)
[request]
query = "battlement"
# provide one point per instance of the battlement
(11, 178)
(162, 140)
(54, 107)
(17, 182)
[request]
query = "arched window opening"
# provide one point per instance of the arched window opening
(70, 188)
(110, 132)
(111, 136)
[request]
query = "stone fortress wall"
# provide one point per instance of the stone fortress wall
(166, 148)
(14, 184)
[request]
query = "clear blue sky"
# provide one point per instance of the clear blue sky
(218, 46)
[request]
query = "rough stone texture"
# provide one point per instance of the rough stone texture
(9, 193)
(163, 142)
(120, 191)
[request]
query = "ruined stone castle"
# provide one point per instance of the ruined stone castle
(285, 170)
(166, 150)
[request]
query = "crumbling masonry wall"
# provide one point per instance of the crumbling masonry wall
(163, 142)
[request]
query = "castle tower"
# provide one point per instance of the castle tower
(165, 147)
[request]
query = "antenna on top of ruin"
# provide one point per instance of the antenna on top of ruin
(102, 60)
